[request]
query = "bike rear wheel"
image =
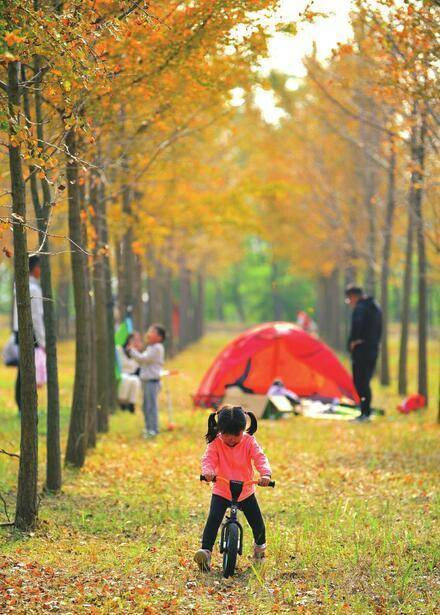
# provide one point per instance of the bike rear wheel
(230, 550)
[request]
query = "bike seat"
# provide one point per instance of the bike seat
(236, 487)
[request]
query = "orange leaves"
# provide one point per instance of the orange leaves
(12, 38)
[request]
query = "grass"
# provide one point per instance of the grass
(352, 524)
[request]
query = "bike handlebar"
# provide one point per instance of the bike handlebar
(248, 482)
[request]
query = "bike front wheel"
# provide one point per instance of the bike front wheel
(230, 550)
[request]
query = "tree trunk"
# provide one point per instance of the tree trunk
(384, 365)
(62, 302)
(185, 307)
(100, 311)
(277, 302)
(407, 283)
(110, 317)
(236, 294)
(406, 307)
(138, 311)
(219, 303)
(321, 308)
(127, 256)
(42, 214)
(335, 297)
(199, 308)
(422, 262)
(92, 406)
(77, 438)
(167, 302)
(27, 501)
(370, 191)
(92, 414)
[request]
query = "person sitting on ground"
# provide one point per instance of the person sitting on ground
(277, 388)
(130, 385)
(231, 454)
(151, 362)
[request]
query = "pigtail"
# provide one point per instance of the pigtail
(254, 424)
(212, 428)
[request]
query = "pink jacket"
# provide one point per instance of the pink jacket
(235, 463)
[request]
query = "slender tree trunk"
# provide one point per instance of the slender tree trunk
(42, 214)
(92, 406)
(155, 294)
(407, 283)
(277, 302)
(111, 350)
(185, 307)
(93, 409)
(422, 263)
(384, 365)
(121, 283)
(167, 302)
(335, 309)
(321, 308)
(199, 308)
(62, 302)
(27, 501)
(100, 311)
(127, 256)
(236, 294)
(219, 303)
(406, 309)
(138, 319)
(77, 438)
(370, 191)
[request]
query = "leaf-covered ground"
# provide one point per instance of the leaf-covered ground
(352, 525)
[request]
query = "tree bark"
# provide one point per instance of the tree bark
(110, 317)
(185, 307)
(422, 313)
(199, 308)
(167, 302)
(277, 302)
(100, 312)
(62, 302)
(321, 308)
(407, 283)
(386, 254)
(406, 305)
(138, 319)
(77, 438)
(42, 214)
(236, 294)
(27, 501)
(93, 409)
(127, 256)
(219, 303)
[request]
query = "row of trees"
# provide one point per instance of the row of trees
(346, 184)
(127, 156)
(104, 105)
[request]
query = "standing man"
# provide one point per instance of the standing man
(37, 315)
(363, 343)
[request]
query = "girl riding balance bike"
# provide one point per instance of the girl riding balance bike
(230, 456)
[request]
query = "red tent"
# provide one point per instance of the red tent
(277, 350)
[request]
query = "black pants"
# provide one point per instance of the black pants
(251, 511)
(363, 370)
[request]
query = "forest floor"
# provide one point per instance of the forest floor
(352, 523)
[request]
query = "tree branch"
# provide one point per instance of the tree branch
(2, 450)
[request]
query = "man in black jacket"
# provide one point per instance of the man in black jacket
(363, 343)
